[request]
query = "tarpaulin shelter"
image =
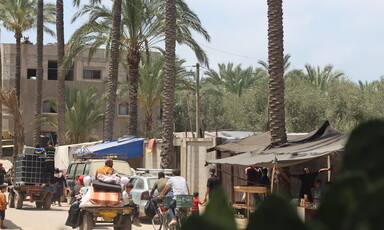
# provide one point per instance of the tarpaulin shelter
(123, 148)
(256, 150)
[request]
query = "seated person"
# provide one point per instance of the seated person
(317, 191)
(128, 202)
(76, 194)
(39, 150)
(107, 169)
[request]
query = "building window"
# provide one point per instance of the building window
(69, 76)
(92, 74)
(52, 70)
(123, 109)
(47, 107)
(31, 73)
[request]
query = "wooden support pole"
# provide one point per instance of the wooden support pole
(273, 177)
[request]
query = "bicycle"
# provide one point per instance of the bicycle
(182, 210)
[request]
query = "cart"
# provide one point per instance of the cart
(118, 217)
(32, 193)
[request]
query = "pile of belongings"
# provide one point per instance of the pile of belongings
(106, 191)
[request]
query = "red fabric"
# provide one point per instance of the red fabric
(104, 198)
(80, 180)
(195, 206)
(151, 143)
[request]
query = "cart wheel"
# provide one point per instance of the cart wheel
(127, 223)
(11, 198)
(39, 204)
(19, 198)
(87, 223)
(47, 202)
(116, 222)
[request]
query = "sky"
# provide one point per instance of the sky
(345, 33)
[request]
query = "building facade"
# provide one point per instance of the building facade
(83, 74)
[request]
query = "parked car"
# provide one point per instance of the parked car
(142, 185)
(89, 167)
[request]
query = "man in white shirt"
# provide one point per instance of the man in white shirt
(180, 187)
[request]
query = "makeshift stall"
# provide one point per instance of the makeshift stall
(322, 142)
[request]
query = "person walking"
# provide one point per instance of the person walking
(60, 184)
(2, 173)
(180, 187)
(195, 207)
(212, 183)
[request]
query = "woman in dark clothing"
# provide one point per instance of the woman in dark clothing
(59, 183)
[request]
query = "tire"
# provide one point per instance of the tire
(166, 219)
(127, 223)
(47, 202)
(87, 223)
(157, 224)
(11, 198)
(19, 198)
(39, 204)
(115, 223)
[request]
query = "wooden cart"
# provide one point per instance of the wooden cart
(33, 193)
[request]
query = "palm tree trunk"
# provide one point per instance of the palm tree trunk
(60, 73)
(148, 122)
(113, 72)
(39, 72)
(133, 58)
(1, 112)
(167, 149)
(276, 72)
(18, 65)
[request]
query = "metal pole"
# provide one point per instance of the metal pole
(198, 100)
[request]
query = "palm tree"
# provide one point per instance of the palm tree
(321, 78)
(18, 16)
(151, 88)
(8, 99)
(276, 72)
(233, 79)
(82, 114)
(142, 28)
(1, 112)
(39, 71)
(60, 74)
(167, 149)
(113, 71)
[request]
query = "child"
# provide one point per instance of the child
(128, 202)
(3, 205)
(317, 191)
(196, 202)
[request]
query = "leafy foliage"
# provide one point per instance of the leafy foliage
(83, 114)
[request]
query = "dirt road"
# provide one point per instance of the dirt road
(31, 218)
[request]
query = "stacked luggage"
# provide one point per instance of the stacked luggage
(105, 194)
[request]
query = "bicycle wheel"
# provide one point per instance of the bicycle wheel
(166, 220)
(157, 223)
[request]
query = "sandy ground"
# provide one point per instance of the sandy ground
(31, 218)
